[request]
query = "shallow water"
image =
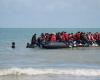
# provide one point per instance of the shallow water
(24, 63)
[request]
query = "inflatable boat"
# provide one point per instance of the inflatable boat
(56, 45)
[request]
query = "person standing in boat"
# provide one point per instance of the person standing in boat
(53, 38)
(97, 38)
(63, 37)
(71, 39)
(77, 38)
(58, 37)
(33, 40)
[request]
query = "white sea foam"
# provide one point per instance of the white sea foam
(32, 71)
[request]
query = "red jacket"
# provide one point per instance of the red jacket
(66, 36)
(53, 38)
(77, 36)
(63, 37)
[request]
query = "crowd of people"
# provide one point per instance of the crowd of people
(83, 38)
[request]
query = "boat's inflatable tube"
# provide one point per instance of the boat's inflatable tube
(54, 45)
(30, 45)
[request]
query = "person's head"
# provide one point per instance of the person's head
(13, 43)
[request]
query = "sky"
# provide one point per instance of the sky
(49, 13)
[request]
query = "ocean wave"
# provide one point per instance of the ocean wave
(33, 71)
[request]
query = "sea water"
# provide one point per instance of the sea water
(24, 63)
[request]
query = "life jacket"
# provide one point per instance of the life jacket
(92, 38)
(71, 37)
(53, 38)
(66, 36)
(77, 36)
(63, 37)
(89, 37)
(97, 36)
